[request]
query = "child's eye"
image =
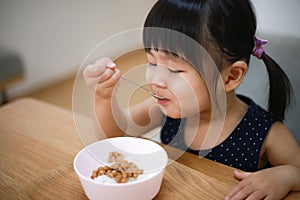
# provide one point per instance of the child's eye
(170, 70)
(174, 71)
(152, 64)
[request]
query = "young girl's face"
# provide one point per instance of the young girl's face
(183, 90)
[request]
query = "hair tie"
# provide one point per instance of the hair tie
(258, 49)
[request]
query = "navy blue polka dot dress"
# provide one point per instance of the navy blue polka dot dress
(240, 150)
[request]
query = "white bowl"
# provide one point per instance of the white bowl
(148, 155)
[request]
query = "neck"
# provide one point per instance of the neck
(210, 132)
(236, 108)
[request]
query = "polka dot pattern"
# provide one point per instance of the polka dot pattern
(240, 150)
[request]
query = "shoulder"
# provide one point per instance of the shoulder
(257, 119)
(281, 146)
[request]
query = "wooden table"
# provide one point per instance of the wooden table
(38, 143)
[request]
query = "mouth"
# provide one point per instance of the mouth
(158, 97)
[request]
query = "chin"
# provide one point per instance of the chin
(172, 114)
(177, 113)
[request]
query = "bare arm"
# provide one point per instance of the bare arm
(283, 152)
(114, 121)
(103, 77)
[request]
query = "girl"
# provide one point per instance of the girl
(188, 98)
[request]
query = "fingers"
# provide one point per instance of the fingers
(101, 71)
(107, 74)
(98, 67)
(106, 89)
(112, 81)
(260, 185)
(236, 193)
(256, 195)
(245, 189)
(248, 193)
(241, 175)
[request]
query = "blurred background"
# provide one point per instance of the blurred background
(54, 36)
(43, 43)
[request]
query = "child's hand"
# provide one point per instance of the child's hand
(273, 183)
(102, 77)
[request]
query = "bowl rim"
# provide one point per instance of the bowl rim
(151, 175)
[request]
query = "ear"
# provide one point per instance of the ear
(233, 75)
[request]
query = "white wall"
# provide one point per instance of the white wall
(278, 16)
(54, 36)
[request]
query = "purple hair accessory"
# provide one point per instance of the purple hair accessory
(258, 49)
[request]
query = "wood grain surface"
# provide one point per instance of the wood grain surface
(38, 142)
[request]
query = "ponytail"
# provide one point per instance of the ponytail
(280, 88)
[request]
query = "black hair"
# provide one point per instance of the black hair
(225, 29)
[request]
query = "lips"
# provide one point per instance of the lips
(157, 96)
(163, 102)
(160, 99)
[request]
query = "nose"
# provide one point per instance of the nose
(158, 77)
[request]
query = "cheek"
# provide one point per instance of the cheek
(189, 96)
